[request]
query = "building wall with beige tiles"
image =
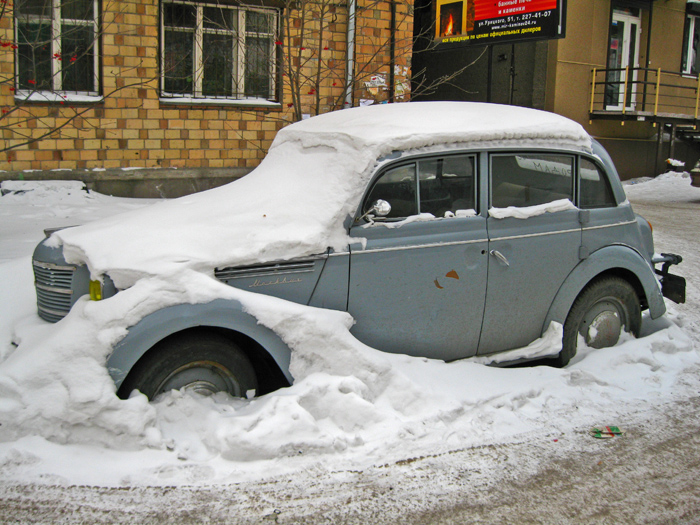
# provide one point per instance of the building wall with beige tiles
(133, 127)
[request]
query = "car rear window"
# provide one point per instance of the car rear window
(595, 190)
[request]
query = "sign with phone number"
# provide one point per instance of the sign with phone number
(498, 21)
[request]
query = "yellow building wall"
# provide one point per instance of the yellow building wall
(134, 128)
(571, 61)
(585, 47)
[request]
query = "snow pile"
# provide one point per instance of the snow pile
(395, 127)
(55, 191)
(671, 186)
(525, 212)
(350, 406)
(29, 207)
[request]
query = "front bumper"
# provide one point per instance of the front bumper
(672, 286)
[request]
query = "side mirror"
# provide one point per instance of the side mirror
(381, 208)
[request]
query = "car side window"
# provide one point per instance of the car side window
(595, 190)
(397, 186)
(526, 179)
(440, 186)
(446, 185)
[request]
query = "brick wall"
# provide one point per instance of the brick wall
(133, 127)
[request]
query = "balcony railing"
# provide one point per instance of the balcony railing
(645, 94)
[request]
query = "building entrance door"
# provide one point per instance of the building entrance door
(623, 52)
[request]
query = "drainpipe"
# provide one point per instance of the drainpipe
(392, 51)
(350, 71)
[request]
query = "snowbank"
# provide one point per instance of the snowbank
(350, 407)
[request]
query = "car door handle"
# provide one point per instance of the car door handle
(498, 255)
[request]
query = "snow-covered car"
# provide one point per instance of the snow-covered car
(447, 230)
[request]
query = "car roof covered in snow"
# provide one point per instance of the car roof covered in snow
(387, 127)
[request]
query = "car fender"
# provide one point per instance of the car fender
(610, 258)
(220, 313)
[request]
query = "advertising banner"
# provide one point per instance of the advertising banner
(481, 22)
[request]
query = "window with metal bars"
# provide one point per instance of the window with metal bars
(56, 46)
(215, 51)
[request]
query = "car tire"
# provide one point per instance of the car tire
(199, 361)
(601, 311)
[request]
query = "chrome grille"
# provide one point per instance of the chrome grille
(53, 290)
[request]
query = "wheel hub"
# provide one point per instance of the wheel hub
(604, 329)
(203, 388)
(204, 378)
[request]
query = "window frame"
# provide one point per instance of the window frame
(692, 24)
(415, 162)
(573, 176)
(238, 89)
(605, 178)
(55, 21)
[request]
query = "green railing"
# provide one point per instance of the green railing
(643, 92)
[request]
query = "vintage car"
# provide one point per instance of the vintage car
(447, 230)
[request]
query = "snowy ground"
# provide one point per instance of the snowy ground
(360, 433)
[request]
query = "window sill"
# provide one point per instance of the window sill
(54, 98)
(260, 103)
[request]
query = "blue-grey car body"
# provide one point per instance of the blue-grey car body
(446, 288)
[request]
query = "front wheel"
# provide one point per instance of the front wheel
(200, 362)
(600, 313)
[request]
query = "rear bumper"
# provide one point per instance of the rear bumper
(672, 286)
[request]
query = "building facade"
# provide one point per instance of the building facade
(627, 70)
(109, 84)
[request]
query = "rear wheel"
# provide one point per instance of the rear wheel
(600, 313)
(201, 362)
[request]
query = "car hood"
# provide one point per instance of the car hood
(297, 201)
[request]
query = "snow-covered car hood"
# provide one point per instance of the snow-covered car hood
(296, 202)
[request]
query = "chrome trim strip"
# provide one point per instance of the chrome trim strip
(508, 238)
(66, 291)
(626, 223)
(528, 235)
(418, 246)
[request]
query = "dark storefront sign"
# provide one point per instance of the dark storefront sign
(478, 22)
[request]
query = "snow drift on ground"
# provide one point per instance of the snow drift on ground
(27, 208)
(351, 406)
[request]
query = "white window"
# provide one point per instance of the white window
(623, 53)
(214, 51)
(57, 43)
(690, 64)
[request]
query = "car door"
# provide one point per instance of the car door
(534, 239)
(418, 276)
